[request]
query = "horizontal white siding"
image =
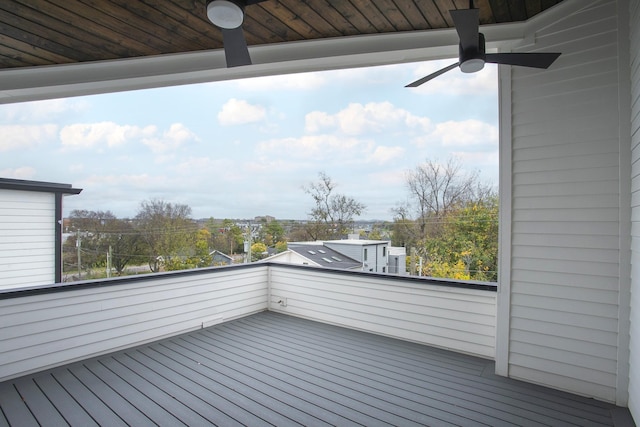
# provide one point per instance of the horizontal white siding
(27, 238)
(565, 256)
(454, 318)
(42, 331)
(634, 371)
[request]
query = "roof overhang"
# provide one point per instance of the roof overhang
(39, 186)
(67, 80)
(87, 78)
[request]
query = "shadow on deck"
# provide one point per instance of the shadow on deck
(273, 369)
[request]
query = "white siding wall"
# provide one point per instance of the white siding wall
(375, 261)
(27, 238)
(42, 331)
(453, 318)
(634, 376)
(566, 205)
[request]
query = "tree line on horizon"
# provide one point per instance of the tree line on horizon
(448, 224)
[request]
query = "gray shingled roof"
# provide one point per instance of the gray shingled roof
(325, 257)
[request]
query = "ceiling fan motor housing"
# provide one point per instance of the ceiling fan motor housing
(227, 14)
(472, 60)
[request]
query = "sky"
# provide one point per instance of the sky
(246, 148)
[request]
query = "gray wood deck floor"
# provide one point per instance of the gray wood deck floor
(272, 369)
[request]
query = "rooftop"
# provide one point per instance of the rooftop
(276, 369)
(325, 257)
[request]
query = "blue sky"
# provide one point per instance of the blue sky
(244, 148)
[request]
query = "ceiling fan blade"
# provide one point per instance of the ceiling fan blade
(236, 51)
(467, 22)
(432, 75)
(535, 60)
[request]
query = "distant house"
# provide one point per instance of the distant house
(350, 254)
(373, 254)
(397, 260)
(220, 258)
(31, 232)
(319, 256)
(265, 218)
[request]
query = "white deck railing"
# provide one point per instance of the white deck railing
(50, 326)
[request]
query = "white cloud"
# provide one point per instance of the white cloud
(382, 154)
(177, 135)
(318, 120)
(222, 169)
(482, 158)
(455, 82)
(103, 134)
(239, 111)
(358, 119)
(25, 172)
(301, 81)
(18, 137)
(111, 135)
(142, 181)
(316, 147)
(41, 110)
(465, 133)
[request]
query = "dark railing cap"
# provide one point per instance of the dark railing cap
(121, 281)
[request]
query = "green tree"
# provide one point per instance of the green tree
(281, 247)
(468, 245)
(89, 242)
(198, 255)
(271, 232)
(455, 229)
(227, 237)
(96, 234)
(166, 230)
(258, 251)
(125, 246)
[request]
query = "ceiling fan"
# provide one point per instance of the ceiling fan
(472, 54)
(228, 15)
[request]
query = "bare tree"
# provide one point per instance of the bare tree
(437, 188)
(333, 214)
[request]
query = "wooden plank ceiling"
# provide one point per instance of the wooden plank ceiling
(48, 32)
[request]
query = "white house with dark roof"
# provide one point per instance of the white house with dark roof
(373, 254)
(31, 232)
(315, 254)
(350, 254)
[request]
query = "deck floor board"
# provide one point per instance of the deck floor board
(418, 376)
(271, 369)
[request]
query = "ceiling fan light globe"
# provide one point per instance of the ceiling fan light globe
(225, 14)
(472, 65)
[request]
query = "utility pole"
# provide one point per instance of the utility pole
(412, 267)
(79, 247)
(109, 262)
(247, 246)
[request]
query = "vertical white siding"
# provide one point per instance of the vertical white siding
(42, 331)
(566, 205)
(453, 318)
(634, 368)
(27, 238)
